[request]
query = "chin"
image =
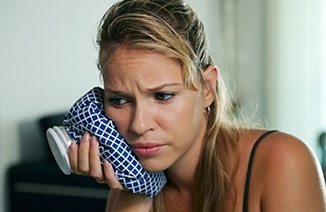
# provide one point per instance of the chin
(152, 166)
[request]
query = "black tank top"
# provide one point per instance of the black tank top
(250, 164)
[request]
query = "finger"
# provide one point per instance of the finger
(73, 157)
(95, 168)
(110, 178)
(83, 154)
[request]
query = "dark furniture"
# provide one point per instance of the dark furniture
(41, 186)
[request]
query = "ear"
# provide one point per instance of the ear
(210, 76)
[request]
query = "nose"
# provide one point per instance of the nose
(141, 121)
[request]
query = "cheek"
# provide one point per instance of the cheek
(189, 114)
(194, 106)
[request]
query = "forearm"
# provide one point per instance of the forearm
(121, 201)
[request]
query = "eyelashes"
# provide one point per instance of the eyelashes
(117, 101)
(120, 101)
(162, 96)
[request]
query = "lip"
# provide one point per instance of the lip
(146, 150)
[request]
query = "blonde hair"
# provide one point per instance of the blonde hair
(172, 28)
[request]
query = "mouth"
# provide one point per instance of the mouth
(146, 150)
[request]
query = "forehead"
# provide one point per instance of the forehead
(135, 53)
(135, 64)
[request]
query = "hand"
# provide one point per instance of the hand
(85, 160)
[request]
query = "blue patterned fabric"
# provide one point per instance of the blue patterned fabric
(87, 114)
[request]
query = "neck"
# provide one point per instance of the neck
(180, 195)
(180, 189)
(182, 177)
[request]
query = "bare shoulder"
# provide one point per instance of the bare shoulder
(284, 151)
(289, 175)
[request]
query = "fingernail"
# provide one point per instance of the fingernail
(94, 143)
(86, 137)
(106, 165)
(73, 146)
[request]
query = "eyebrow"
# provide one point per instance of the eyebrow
(157, 88)
(160, 87)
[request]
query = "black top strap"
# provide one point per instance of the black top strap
(248, 177)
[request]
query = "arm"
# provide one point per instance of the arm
(292, 176)
(121, 200)
(85, 160)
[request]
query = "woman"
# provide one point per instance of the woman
(169, 102)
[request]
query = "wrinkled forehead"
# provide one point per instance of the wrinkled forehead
(141, 69)
(134, 50)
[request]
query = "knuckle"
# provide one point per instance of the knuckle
(95, 174)
(83, 168)
(78, 172)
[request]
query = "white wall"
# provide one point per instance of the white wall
(295, 52)
(322, 54)
(250, 59)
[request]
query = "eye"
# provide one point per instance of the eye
(117, 101)
(161, 96)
